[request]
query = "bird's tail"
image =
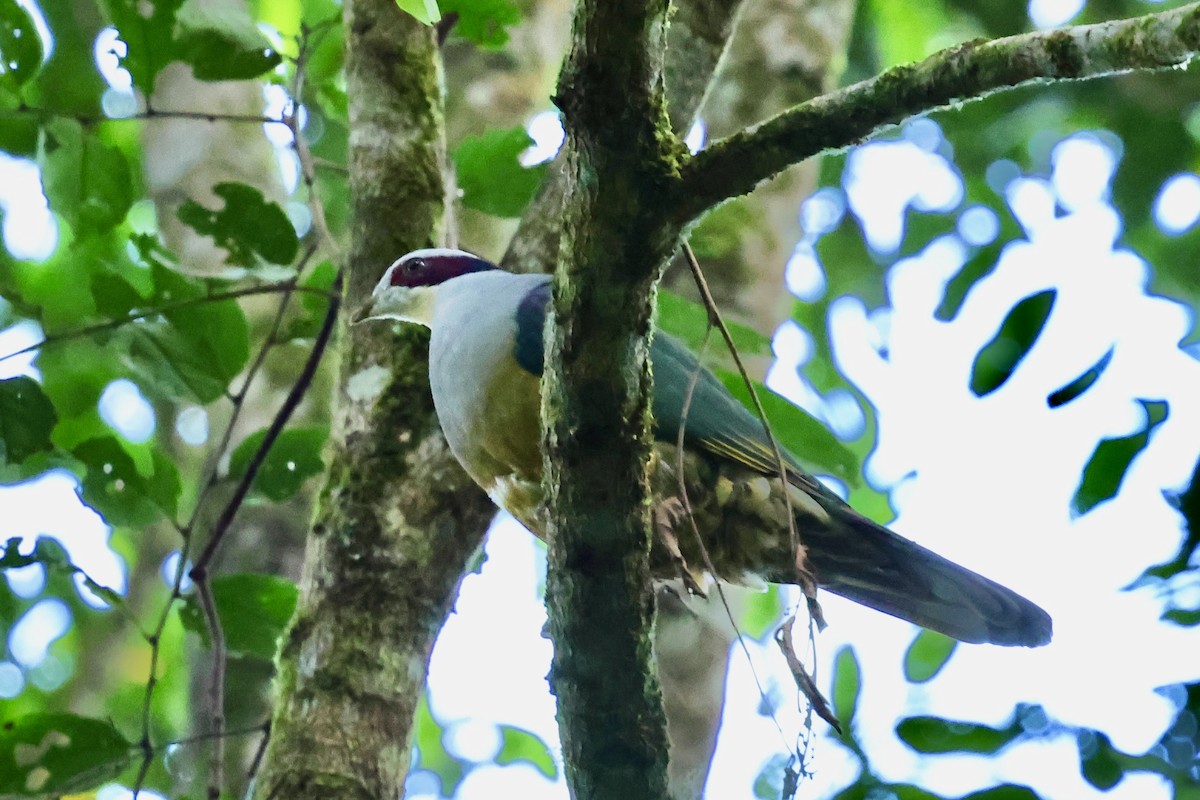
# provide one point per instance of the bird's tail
(867, 563)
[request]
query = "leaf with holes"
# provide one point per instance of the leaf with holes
(86, 180)
(26, 419)
(222, 43)
(998, 359)
(1105, 470)
(119, 491)
(490, 176)
(294, 457)
(147, 27)
(251, 228)
(254, 610)
(20, 47)
(53, 754)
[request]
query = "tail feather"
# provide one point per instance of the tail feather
(867, 563)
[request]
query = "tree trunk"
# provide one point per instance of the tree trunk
(397, 519)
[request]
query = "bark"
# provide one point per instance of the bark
(397, 519)
(596, 399)
(697, 38)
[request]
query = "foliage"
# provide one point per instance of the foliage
(115, 304)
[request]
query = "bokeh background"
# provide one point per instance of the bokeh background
(991, 308)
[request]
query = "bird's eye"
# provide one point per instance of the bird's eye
(414, 266)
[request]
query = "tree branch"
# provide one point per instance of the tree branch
(970, 71)
(696, 41)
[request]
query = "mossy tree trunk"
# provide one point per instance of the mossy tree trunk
(397, 519)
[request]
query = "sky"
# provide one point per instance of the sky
(1005, 465)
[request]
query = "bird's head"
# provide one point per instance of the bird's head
(407, 290)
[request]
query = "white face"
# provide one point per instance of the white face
(407, 289)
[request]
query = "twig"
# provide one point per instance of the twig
(149, 113)
(199, 571)
(102, 327)
(216, 697)
(804, 681)
(259, 753)
(685, 499)
(804, 576)
(303, 153)
(965, 72)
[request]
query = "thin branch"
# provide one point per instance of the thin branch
(300, 145)
(804, 576)
(216, 695)
(111, 325)
(965, 72)
(685, 499)
(199, 571)
(149, 113)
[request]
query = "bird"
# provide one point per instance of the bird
(486, 355)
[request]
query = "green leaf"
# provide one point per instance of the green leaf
(147, 27)
(26, 419)
(315, 306)
(254, 610)
(249, 227)
(431, 751)
(491, 178)
(935, 735)
(1098, 760)
(116, 489)
(484, 22)
(295, 456)
(719, 233)
(222, 43)
(769, 784)
(1187, 503)
(981, 264)
(926, 656)
(1060, 397)
(762, 611)
(687, 320)
(44, 754)
(86, 180)
(796, 430)
(847, 683)
(192, 352)
(1105, 470)
(49, 552)
(1007, 791)
(521, 745)
(998, 359)
(425, 11)
(906, 791)
(20, 46)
